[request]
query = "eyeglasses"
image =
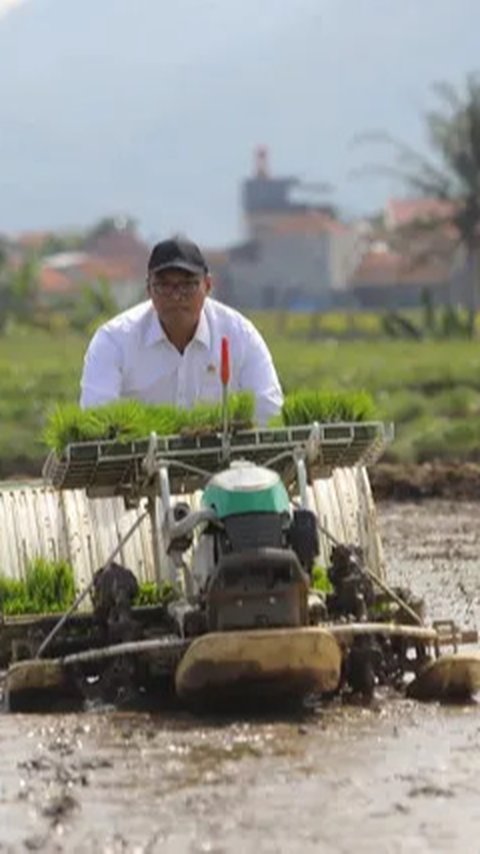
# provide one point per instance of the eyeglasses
(184, 288)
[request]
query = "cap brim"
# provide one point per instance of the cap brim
(179, 265)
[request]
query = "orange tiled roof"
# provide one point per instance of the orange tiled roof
(114, 269)
(385, 267)
(124, 246)
(89, 269)
(401, 212)
(53, 281)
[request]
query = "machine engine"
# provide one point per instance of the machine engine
(263, 552)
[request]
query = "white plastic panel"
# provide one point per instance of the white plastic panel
(38, 521)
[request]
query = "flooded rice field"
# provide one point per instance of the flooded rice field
(394, 777)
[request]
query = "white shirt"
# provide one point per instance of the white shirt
(130, 356)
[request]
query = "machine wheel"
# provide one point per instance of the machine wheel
(39, 685)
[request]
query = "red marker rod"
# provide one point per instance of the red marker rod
(225, 378)
(225, 362)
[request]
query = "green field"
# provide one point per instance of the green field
(430, 389)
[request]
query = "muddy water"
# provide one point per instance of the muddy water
(395, 777)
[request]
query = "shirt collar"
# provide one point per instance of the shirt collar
(155, 332)
(202, 334)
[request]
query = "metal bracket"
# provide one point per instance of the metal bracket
(447, 633)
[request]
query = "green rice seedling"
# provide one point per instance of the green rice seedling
(164, 419)
(356, 406)
(69, 423)
(208, 417)
(48, 587)
(126, 420)
(303, 407)
(122, 420)
(320, 580)
(13, 599)
(242, 408)
(276, 422)
(204, 417)
(150, 593)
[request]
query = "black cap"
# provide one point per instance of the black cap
(177, 252)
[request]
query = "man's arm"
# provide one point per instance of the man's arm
(258, 374)
(102, 371)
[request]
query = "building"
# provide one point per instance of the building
(296, 254)
(387, 279)
(413, 250)
(67, 273)
(111, 252)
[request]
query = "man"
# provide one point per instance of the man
(167, 350)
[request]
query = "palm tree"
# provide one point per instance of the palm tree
(450, 174)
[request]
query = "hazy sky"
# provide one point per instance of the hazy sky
(152, 108)
(7, 5)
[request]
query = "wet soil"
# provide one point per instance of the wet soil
(407, 482)
(396, 776)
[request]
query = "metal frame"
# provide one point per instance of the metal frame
(156, 467)
(108, 468)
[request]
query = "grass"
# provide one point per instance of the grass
(378, 366)
(303, 325)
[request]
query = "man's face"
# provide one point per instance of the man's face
(178, 295)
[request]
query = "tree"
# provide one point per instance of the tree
(22, 290)
(4, 291)
(96, 304)
(450, 174)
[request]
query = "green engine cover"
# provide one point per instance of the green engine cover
(246, 488)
